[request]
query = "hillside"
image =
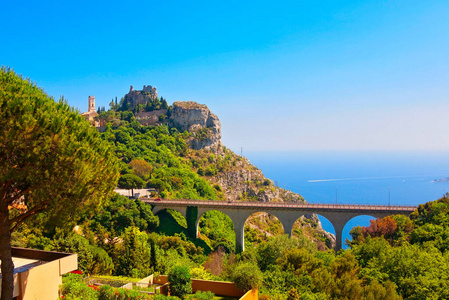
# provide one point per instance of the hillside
(185, 158)
(197, 134)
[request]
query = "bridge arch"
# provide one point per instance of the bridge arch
(302, 225)
(224, 220)
(181, 210)
(360, 220)
(175, 217)
(261, 219)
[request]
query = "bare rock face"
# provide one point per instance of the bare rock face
(151, 117)
(198, 120)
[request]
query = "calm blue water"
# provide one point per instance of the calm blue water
(357, 178)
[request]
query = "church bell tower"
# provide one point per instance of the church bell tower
(91, 104)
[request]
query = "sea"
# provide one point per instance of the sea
(381, 178)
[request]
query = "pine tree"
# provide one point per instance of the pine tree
(153, 255)
(42, 145)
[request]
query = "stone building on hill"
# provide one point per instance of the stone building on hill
(139, 97)
(91, 113)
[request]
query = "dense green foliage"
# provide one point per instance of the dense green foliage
(412, 253)
(201, 296)
(155, 155)
(247, 276)
(49, 154)
(50, 160)
(73, 288)
(120, 213)
(217, 230)
(179, 278)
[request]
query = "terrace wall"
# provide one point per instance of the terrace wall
(221, 288)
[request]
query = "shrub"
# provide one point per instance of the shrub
(124, 294)
(73, 288)
(163, 297)
(200, 273)
(106, 292)
(179, 278)
(201, 296)
(293, 294)
(247, 276)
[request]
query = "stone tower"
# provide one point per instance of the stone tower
(91, 104)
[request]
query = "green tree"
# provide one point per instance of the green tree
(91, 259)
(153, 259)
(133, 256)
(247, 276)
(121, 212)
(164, 104)
(179, 278)
(50, 159)
(130, 181)
(141, 168)
(267, 253)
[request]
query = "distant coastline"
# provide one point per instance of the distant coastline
(444, 180)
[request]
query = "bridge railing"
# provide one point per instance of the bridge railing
(281, 205)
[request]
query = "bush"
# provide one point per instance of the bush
(200, 273)
(201, 296)
(124, 294)
(179, 278)
(106, 292)
(247, 276)
(162, 297)
(73, 288)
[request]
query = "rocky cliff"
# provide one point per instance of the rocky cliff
(234, 175)
(198, 120)
(239, 180)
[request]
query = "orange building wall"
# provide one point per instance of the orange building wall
(220, 288)
(41, 282)
(251, 295)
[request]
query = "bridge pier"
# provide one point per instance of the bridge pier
(239, 228)
(338, 221)
(287, 219)
(239, 217)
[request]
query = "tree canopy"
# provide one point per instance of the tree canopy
(50, 159)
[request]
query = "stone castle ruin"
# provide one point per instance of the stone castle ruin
(136, 97)
(146, 89)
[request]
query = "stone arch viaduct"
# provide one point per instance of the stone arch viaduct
(337, 214)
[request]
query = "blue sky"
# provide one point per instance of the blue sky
(284, 75)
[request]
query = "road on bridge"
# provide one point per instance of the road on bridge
(289, 206)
